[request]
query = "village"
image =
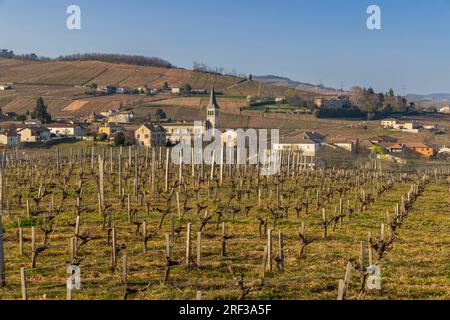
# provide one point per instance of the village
(121, 127)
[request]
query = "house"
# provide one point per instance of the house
(34, 134)
(10, 138)
(280, 100)
(150, 136)
(120, 117)
(382, 139)
(409, 126)
(67, 130)
(389, 123)
(394, 147)
(176, 90)
(108, 89)
(177, 131)
(300, 143)
(109, 129)
(393, 124)
(420, 149)
(124, 90)
(5, 87)
(445, 110)
(444, 150)
(346, 143)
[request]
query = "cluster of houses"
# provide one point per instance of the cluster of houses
(110, 89)
(113, 116)
(109, 124)
(159, 134)
(36, 133)
(310, 143)
(408, 127)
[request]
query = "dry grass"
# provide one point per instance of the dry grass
(415, 268)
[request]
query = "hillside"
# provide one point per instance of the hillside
(61, 83)
(286, 82)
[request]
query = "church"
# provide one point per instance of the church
(212, 121)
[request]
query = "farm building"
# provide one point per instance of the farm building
(345, 143)
(34, 134)
(67, 130)
(9, 138)
(300, 143)
(121, 117)
(115, 116)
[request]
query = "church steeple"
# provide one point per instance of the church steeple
(213, 111)
(213, 100)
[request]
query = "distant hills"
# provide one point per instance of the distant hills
(289, 83)
(443, 97)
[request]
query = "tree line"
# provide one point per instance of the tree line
(103, 57)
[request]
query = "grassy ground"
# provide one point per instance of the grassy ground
(417, 267)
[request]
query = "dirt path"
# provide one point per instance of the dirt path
(419, 264)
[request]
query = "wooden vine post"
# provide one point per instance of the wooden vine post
(2, 252)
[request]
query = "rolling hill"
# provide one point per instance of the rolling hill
(286, 82)
(62, 85)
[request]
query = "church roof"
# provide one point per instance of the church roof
(213, 100)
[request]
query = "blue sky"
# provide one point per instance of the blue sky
(307, 40)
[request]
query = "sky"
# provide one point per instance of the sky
(314, 41)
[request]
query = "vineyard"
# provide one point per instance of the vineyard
(137, 226)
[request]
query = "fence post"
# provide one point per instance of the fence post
(23, 282)
(2, 254)
(114, 249)
(264, 264)
(144, 235)
(281, 251)
(188, 244)
(125, 268)
(21, 241)
(166, 182)
(72, 246)
(269, 250)
(199, 249)
(33, 239)
(341, 290)
(224, 240)
(363, 254)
